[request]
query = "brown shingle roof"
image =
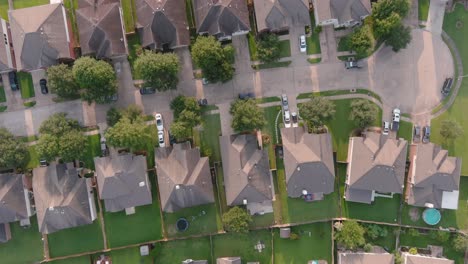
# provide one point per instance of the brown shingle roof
(274, 14)
(417, 259)
(365, 258)
(12, 198)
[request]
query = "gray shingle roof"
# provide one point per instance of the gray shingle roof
(376, 162)
(308, 161)
(365, 258)
(123, 181)
(40, 36)
(101, 30)
(347, 10)
(184, 178)
(432, 171)
(62, 198)
(162, 22)
(221, 18)
(273, 15)
(7, 60)
(246, 170)
(228, 260)
(12, 198)
(417, 259)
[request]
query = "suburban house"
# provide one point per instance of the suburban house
(162, 24)
(41, 36)
(419, 259)
(365, 258)
(7, 56)
(341, 13)
(308, 162)
(184, 177)
(376, 167)
(63, 199)
(221, 18)
(15, 203)
(228, 260)
(247, 176)
(123, 182)
(101, 27)
(433, 178)
(279, 15)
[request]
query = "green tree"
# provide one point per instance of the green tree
(450, 129)
(376, 231)
(128, 134)
(132, 112)
(399, 38)
(383, 27)
(362, 40)
(57, 124)
(181, 103)
(368, 247)
(413, 251)
(113, 116)
(96, 77)
(189, 118)
(214, 60)
(72, 145)
(440, 236)
(268, 48)
(316, 111)
(385, 8)
(460, 243)
(246, 115)
(13, 152)
(351, 235)
(61, 81)
(180, 130)
(237, 220)
(158, 70)
(363, 112)
(47, 147)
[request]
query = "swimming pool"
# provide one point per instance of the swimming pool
(431, 216)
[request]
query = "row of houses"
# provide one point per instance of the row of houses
(386, 258)
(376, 168)
(41, 36)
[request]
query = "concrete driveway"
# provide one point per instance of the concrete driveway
(435, 18)
(41, 99)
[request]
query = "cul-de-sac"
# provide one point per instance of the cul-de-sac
(234, 131)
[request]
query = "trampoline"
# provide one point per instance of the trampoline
(182, 224)
(431, 216)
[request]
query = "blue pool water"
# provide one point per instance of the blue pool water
(431, 216)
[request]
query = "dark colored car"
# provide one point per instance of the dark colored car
(147, 90)
(43, 84)
(426, 134)
(417, 134)
(352, 63)
(13, 81)
(110, 98)
(245, 96)
(43, 163)
(447, 86)
(202, 102)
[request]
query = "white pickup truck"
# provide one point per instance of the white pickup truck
(396, 119)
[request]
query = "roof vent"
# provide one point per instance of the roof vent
(177, 187)
(141, 184)
(298, 168)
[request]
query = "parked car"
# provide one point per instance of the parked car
(161, 139)
(284, 102)
(245, 96)
(396, 119)
(172, 139)
(202, 102)
(294, 119)
(43, 84)
(43, 163)
(287, 119)
(147, 90)
(426, 134)
(13, 81)
(447, 86)
(352, 63)
(104, 150)
(302, 43)
(386, 128)
(205, 81)
(417, 134)
(111, 98)
(159, 122)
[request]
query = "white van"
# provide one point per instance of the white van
(287, 119)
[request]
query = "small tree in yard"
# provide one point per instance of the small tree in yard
(362, 40)
(246, 115)
(181, 103)
(180, 130)
(351, 235)
(129, 134)
(268, 48)
(187, 114)
(399, 38)
(450, 129)
(113, 116)
(460, 243)
(440, 236)
(214, 60)
(316, 111)
(61, 81)
(363, 112)
(158, 70)
(237, 220)
(13, 153)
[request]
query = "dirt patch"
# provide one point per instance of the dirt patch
(414, 214)
(459, 24)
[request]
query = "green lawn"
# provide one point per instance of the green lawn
(313, 42)
(128, 8)
(265, 220)
(71, 6)
(76, 240)
(17, 4)
(202, 220)
(33, 160)
(177, 251)
(314, 60)
(129, 256)
(210, 137)
(285, 48)
(270, 128)
(314, 243)
(221, 193)
(143, 226)
(2, 94)
(93, 149)
(252, 46)
(242, 245)
(268, 100)
(270, 65)
(423, 240)
(26, 84)
(341, 127)
(133, 42)
(460, 107)
(339, 92)
(387, 242)
(4, 9)
(344, 44)
(25, 245)
(423, 9)
(78, 260)
(406, 131)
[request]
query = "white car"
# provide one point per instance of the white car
(161, 139)
(159, 122)
(302, 43)
(386, 128)
(287, 119)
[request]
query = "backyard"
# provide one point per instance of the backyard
(17, 4)
(93, 149)
(77, 260)
(459, 34)
(129, 256)
(26, 85)
(202, 220)
(314, 243)
(25, 245)
(406, 131)
(177, 251)
(143, 226)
